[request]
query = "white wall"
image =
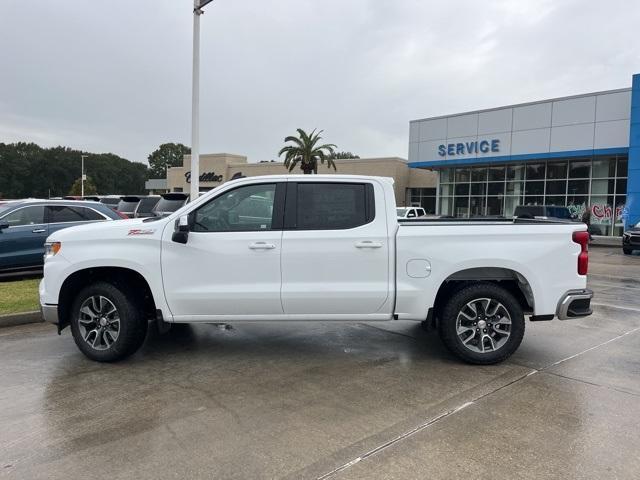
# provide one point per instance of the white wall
(583, 122)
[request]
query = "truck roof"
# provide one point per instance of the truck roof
(317, 177)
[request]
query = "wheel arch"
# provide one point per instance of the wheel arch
(118, 276)
(511, 280)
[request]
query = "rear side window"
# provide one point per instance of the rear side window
(88, 214)
(61, 214)
(331, 206)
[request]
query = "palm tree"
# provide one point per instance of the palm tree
(306, 152)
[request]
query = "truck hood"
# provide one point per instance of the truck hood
(105, 230)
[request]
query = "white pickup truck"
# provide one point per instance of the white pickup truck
(313, 247)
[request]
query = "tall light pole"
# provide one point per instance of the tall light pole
(198, 5)
(82, 176)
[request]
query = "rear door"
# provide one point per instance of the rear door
(22, 243)
(335, 250)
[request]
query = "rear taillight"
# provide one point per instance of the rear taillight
(582, 239)
(121, 215)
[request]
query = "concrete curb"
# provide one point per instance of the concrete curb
(20, 318)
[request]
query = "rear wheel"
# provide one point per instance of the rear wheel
(482, 324)
(107, 324)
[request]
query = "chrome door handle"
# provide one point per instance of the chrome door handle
(261, 246)
(368, 244)
(39, 230)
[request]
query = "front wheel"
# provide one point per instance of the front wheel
(482, 324)
(627, 251)
(107, 324)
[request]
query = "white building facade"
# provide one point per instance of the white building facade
(572, 151)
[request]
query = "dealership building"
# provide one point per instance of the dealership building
(412, 186)
(581, 151)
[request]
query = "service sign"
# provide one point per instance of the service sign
(469, 148)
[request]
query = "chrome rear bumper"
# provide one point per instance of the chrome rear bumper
(575, 304)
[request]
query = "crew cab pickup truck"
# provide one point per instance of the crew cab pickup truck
(313, 248)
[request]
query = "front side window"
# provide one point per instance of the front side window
(26, 216)
(333, 206)
(244, 209)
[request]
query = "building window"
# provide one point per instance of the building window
(423, 197)
(598, 183)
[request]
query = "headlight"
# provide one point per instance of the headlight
(51, 248)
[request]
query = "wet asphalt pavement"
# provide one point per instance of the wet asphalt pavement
(330, 400)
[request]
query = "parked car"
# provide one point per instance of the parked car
(92, 198)
(543, 212)
(146, 206)
(25, 225)
(169, 203)
(326, 247)
(631, 239)
(127, 205)
(410, 212)
(110, 200)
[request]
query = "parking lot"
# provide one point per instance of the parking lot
(331, 400)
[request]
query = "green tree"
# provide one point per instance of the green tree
(306, 152)
(166, 155)
(27, 170)
(339, 155)
(89, 187)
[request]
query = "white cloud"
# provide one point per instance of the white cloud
(116, 76)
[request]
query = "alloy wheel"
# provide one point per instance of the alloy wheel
(483, 325)
(99, 322)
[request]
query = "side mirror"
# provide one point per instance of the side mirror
(3, 224)
(181, 232)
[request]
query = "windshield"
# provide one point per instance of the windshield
(124, 206)
(167, 205)
(401, 212)
(558, 212)
(147, 204)
(5, 207)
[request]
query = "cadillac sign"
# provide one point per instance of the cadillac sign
(205, 177)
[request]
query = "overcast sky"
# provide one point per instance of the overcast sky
(115, 75)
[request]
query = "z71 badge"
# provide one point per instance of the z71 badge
(140, 231)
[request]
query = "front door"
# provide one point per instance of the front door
(335, 250)
(230, 265)
(22, 242)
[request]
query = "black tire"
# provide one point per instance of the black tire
(627, 251)
(506, 341)
(132, 324)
